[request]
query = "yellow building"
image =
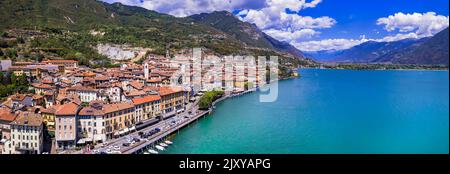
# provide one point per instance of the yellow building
(48, 116)
(146, 107)
(118, 118)
(172, 100)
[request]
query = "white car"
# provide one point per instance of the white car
(116, 148)
(116, 152)
(108, 151)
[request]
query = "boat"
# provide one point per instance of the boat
(146, 153)
(153, 151)
(168, 142)
(159, 147)
(163, 144)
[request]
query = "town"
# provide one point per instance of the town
(69, 108)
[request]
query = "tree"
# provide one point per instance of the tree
(11, 53)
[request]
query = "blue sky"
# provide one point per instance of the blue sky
(313, 25)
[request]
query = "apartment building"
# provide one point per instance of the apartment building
(26, 134)
(147, 107)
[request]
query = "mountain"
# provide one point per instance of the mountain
(226, 22)
(433, 50)
(70, 25)
(284, 46)
(244, 31)
(323, 55)
(371, 51)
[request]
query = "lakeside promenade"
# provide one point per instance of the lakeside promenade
(181, 120)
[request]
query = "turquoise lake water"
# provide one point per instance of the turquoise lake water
(330, 111)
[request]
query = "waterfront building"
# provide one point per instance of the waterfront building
(118, 118)
(92, 125)
(147, 107)
(172, 100)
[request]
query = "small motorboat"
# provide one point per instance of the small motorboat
(153, 151)
(146, 153)
(168, 142)
(163, 144)
(159, 147)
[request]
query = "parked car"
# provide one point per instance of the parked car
(116, 148)
(140, 133)
(126, 144)
(136, 139)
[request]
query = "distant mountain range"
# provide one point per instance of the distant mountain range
(433, 50)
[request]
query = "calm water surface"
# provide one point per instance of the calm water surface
(331, 111)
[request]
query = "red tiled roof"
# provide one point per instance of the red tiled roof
(136, 84)
(81, 88)
(67, 109)
(6, 115)
(146, 99)
(169, 90)
(117, 107)
(28, 118)
(42, 86)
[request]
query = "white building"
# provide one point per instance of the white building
(86, 94)
(26, 134)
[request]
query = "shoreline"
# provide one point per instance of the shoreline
(225, 97)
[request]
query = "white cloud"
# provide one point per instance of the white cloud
(288, 27)
(329, 44)
(422, 24)
(289, 36)
(398, 37)
(275, 16)
(409, 26)
(182, 8)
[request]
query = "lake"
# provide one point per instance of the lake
(330, 112)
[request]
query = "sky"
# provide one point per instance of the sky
(316, 25)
